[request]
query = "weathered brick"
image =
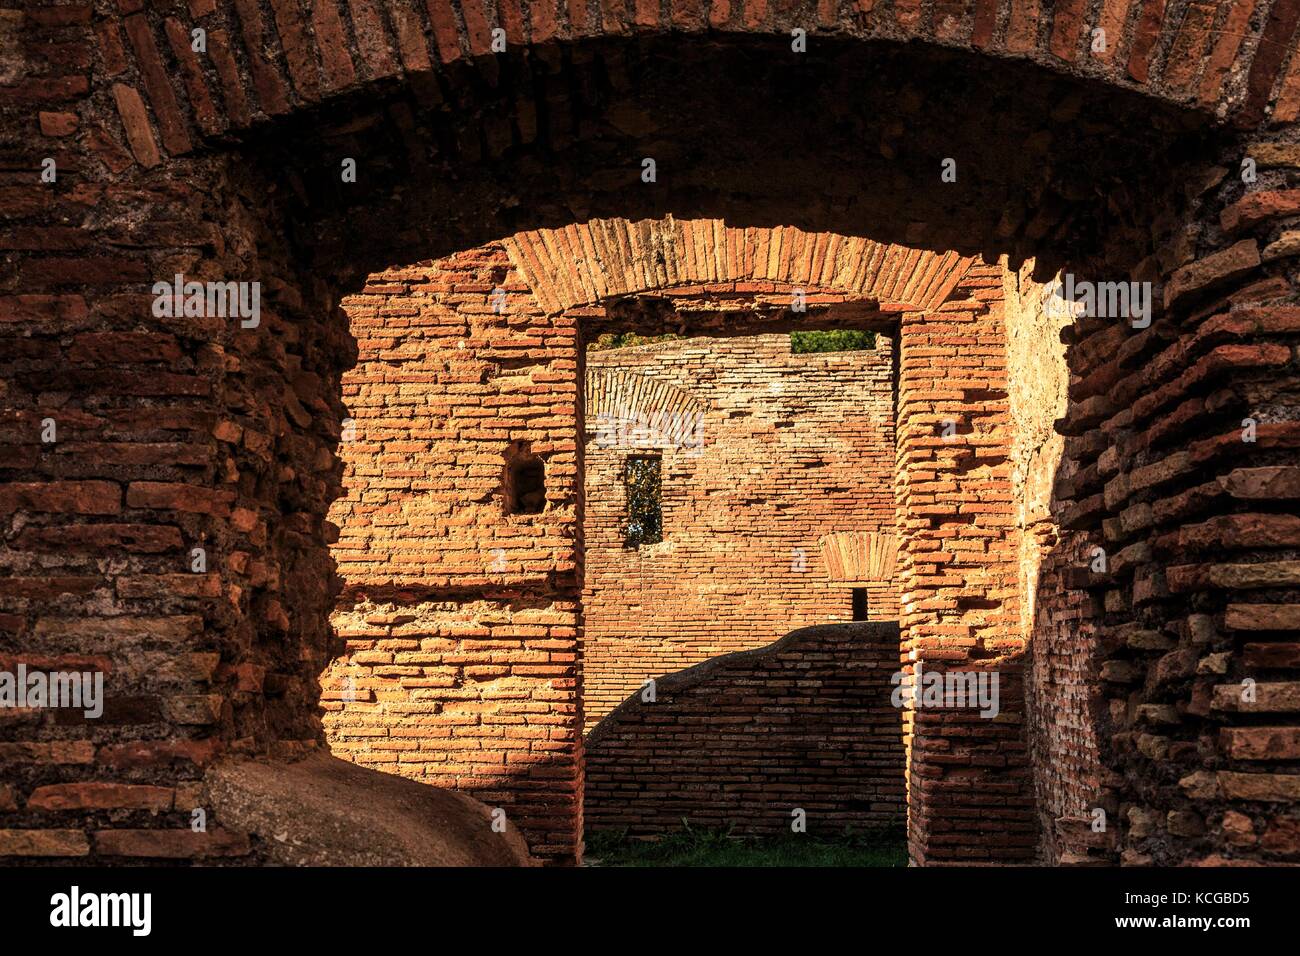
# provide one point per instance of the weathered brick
(58, 124)
(62, 497)
(49, 843)
(136, 124)
(1279, 697)
(170, 844)
(158, 753)
(1230, 263)
(1262, 617)
(100, 796)
(1268, 787)
(1262, 743)
(134, 538)
(172, 496)
(1257, 207)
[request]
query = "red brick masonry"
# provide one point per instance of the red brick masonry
(1168, 155)
(791, 447)
(740, 741)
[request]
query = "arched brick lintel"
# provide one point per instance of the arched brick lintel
(588, 263)
(1221, 58)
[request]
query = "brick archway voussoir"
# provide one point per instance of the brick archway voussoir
(269, 63)
(622, 393)
(588, 263)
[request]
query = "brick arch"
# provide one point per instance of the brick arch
(620, 394)
(189, 429)
(294, 92)
(1223, 58)
(591, 262)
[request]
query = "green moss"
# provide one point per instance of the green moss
(834, 340)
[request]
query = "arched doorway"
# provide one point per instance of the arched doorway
(236, 169)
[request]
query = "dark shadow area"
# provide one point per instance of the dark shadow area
(719, 848)
(849, 137)
(744, 741)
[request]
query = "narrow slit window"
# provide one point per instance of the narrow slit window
(644, 502)
(859, 604)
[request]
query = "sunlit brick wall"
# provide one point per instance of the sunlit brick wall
(958, 557)
(460, 620)
(790, 447)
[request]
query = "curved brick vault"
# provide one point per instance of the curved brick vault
(1222, 58)
(188, 432)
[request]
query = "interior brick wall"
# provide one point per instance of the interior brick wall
(741, 741)
(460, 620)
(958, 559)
(460, 660)
(1057, 616)
(791, 447)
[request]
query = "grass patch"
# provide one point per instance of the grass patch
(833, 340)
(719, 848)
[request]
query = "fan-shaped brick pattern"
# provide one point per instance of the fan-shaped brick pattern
(608, 259)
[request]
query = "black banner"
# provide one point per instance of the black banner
(556, 907)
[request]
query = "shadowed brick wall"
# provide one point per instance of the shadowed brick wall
(739, 741)
(790, 448)
(1056, 614)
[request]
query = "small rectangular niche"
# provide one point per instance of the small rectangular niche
(859, 604)
(525, 481)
